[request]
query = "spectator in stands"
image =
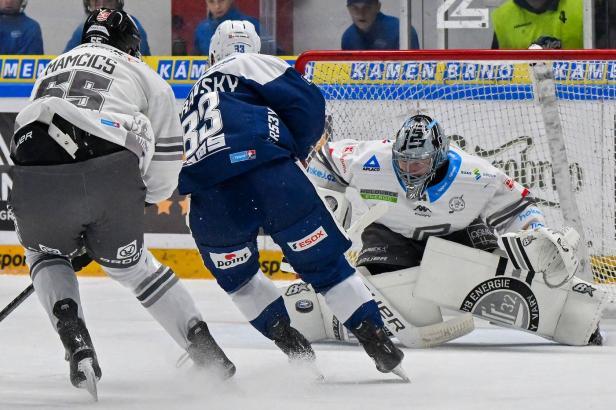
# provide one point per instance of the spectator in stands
(19, 34)
(548, 23)
(605, 24)
(91, 5)
(217, 12)
(373, 30)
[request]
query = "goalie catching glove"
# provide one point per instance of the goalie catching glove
(543, 250)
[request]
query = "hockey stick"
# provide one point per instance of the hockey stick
(419, 336)
(16, 302)
(366, 219)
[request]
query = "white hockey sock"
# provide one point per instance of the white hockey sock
(347, 296)
(54, 280)
(257, 294)
(162, 294)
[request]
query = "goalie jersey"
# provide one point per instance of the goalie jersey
(248, 109)
(116, 97)
(471, 188)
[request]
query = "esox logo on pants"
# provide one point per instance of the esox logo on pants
(308, 241)
(231, 259)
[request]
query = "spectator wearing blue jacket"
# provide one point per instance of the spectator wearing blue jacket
(373, 30)
(91, 5)
(217, 12)
(19, 34)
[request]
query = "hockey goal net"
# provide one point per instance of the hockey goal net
(547, 118)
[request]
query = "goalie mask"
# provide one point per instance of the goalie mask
(113, 27)
(420, 149)
(233, 36)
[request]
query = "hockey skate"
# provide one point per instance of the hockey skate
(291, 342)
(205, 352)
(294, 345)
(84, 369)
(380, 348)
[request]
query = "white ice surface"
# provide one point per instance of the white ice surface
(491, 368)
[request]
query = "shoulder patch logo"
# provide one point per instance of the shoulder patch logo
(372, 164)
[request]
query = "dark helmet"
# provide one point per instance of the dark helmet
(86, 6)
(113, 27)
(420, 148)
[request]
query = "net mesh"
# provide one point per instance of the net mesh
(492, 108)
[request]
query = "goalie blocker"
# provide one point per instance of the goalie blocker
(492, 288)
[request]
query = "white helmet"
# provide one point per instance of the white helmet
(234, 36)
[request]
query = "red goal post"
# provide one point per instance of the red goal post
(546, 117)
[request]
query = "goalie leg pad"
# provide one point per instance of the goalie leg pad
(397, 288)
(489, 287)
(581, 312)
(313, 318)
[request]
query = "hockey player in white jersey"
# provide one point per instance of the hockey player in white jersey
(99, 140)
(434, 189)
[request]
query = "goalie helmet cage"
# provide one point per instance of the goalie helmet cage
(545, 117)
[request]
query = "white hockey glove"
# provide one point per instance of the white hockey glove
(543, 250)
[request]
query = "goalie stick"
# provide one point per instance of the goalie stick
(419, 336)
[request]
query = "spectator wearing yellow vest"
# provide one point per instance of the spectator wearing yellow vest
(548, 23)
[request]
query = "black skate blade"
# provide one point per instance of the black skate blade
(85, 366)
(401, 373)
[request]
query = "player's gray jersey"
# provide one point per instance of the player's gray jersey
(472, 188)
(118, 98)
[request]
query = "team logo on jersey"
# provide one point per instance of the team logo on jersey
(309, 240)
(372, 164)
(243, 156)
(230, 260)
(504, 300)
(456, 204)
(422, 210)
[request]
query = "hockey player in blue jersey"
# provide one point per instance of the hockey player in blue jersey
(247, 122)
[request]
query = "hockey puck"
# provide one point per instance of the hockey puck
(304, 306)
